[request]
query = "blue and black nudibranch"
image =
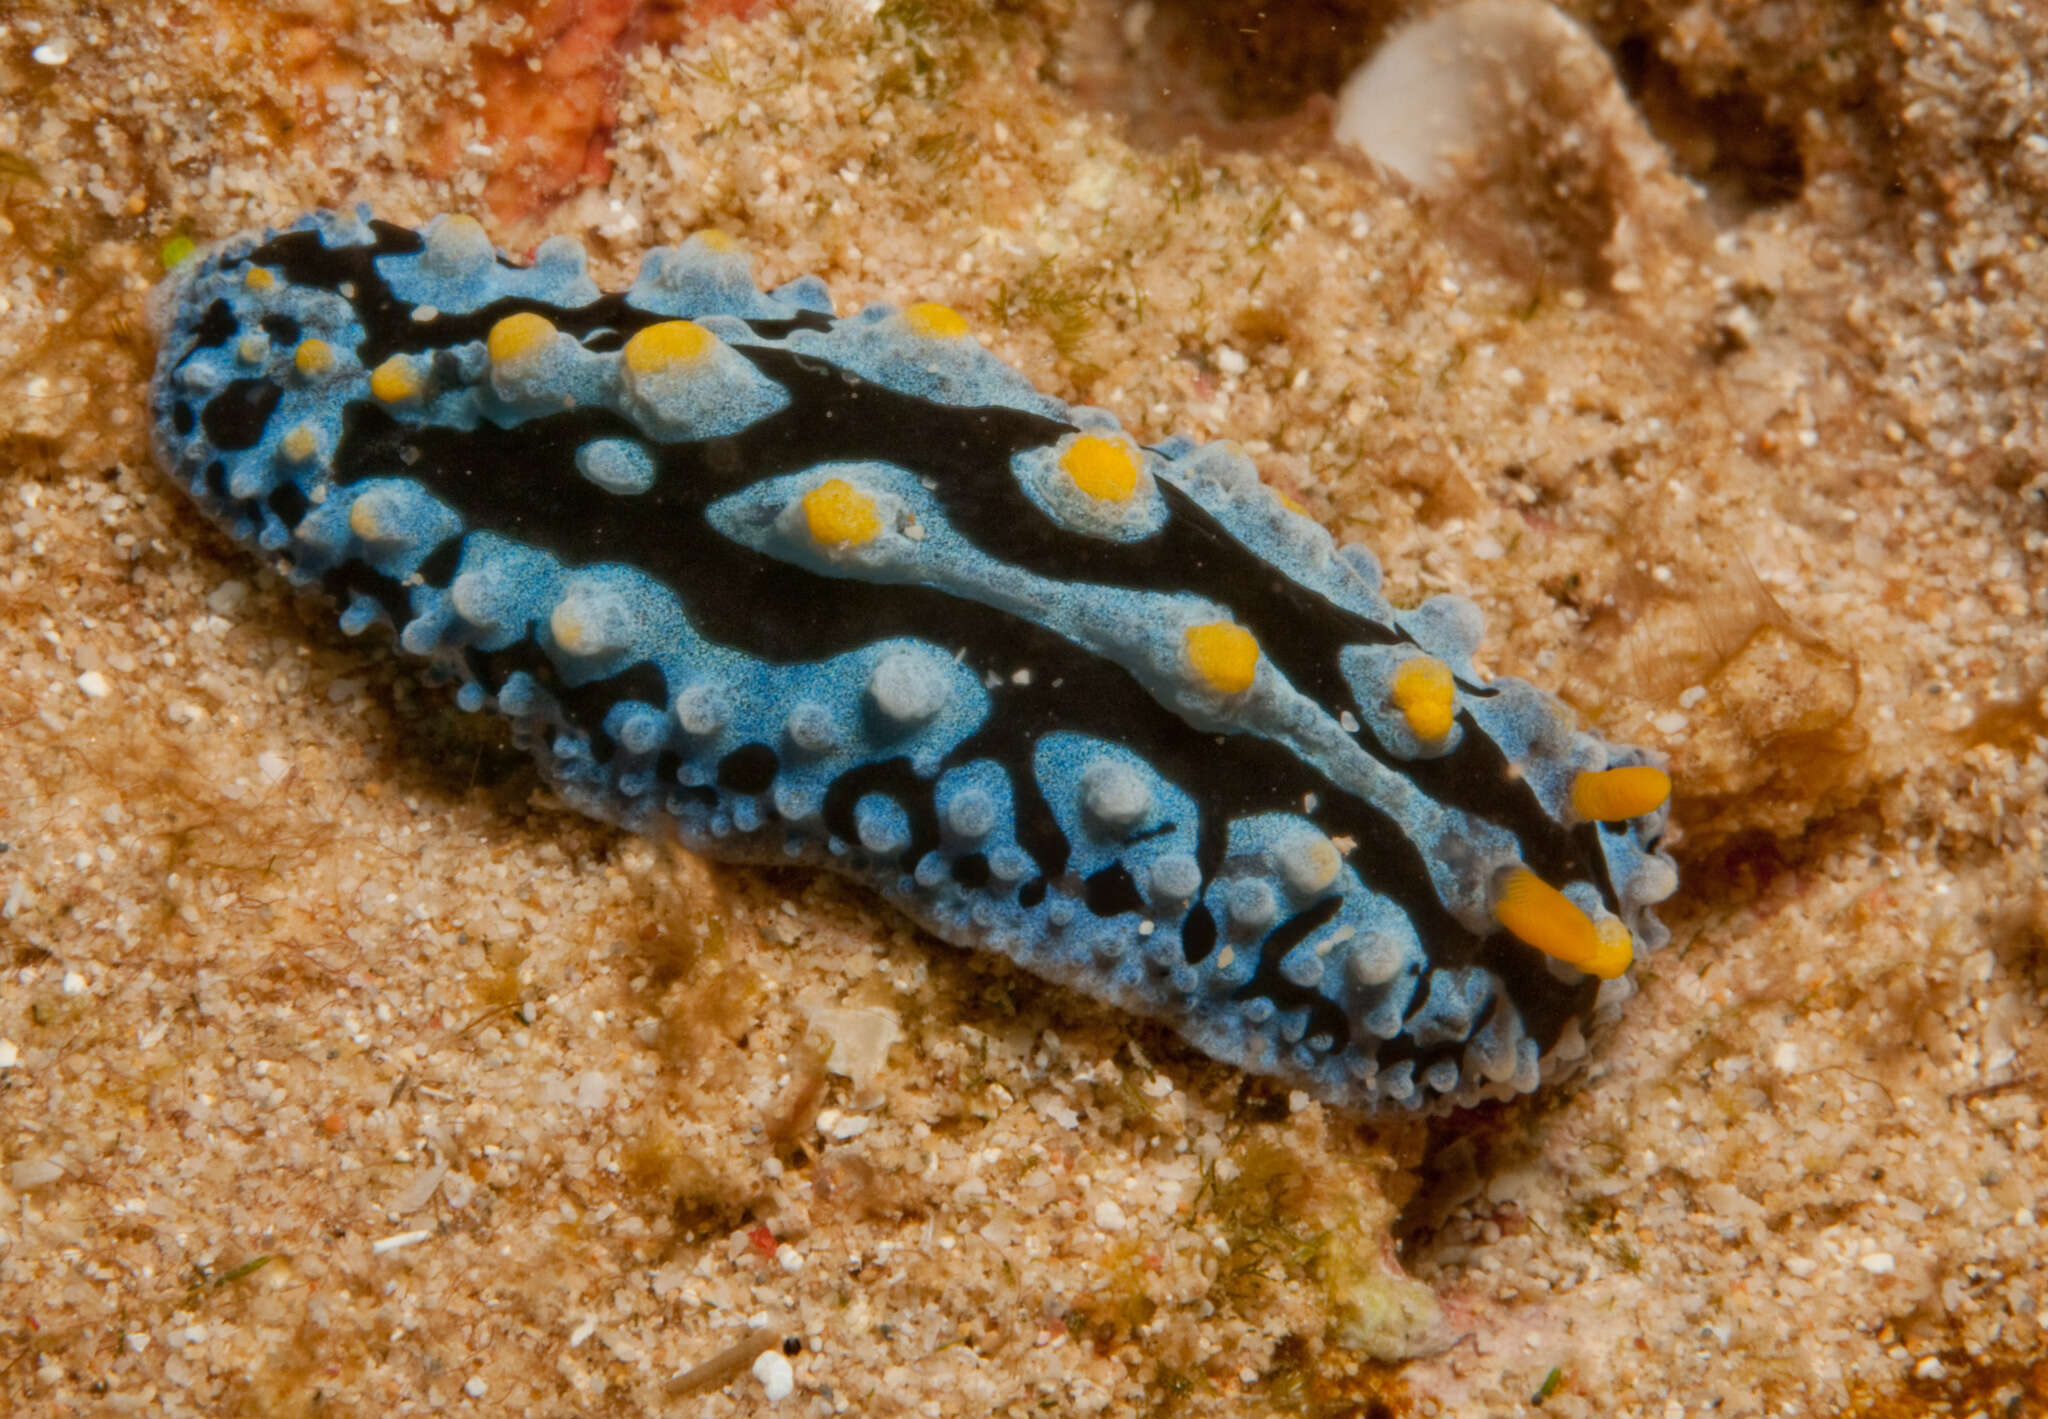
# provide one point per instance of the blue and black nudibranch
(852, 592)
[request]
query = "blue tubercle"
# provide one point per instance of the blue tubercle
(852, 592)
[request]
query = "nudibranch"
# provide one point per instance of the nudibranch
(850, 591)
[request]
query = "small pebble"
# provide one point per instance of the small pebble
(93, 684)
(772, 1369)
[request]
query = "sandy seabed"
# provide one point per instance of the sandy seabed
(341, 1071)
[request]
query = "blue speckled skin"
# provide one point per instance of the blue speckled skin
(984, 706)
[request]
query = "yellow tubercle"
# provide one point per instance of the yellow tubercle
(1101, 467)
(1225, 655)
(258, 278)
(572, 632)
(299, 445)
(1290, 504)
(518, 337)
(665, 346)
(396, 380)
(460, 226)
(313, 357)
(935, 321)
(712, 239)
(366, 518)
(1613, 795)
(1541, 916)
(841, 515)
(1427, 697)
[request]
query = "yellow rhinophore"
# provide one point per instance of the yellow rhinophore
(841, 515)
(1102, 468)
(1224, 654)
(1541, 916)
(1612, 795)
(1426, 696)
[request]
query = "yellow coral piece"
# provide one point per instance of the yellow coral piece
(935, 321)
(1290, 504)
(667, 345)
(519, 337)
(300, 445)
(258, 278)
(1613, 795)
(1224, 655)
(396, 380)
(841, 515)
(1541, 916)
(1102, 468)
(313, 357)
(1426, 697)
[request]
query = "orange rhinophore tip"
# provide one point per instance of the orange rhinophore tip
(1541, 916)
(1613, 795)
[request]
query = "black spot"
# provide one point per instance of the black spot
(216, 327)
(780, 329)
(1324, 1017)
(1031, 893)
(1111, 892)
(216, 476)
(1198, 936)
(288, 503)
(896, 780)
(235, 417)
(748, 769)
(183, 419)
(437, 568)
(281, 328)
(350, 578)
(971, 871)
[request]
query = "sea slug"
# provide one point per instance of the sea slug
(852, 592)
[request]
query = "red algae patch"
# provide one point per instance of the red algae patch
(538, 94)
(551, 97)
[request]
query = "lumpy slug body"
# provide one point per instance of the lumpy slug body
(852, 592)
